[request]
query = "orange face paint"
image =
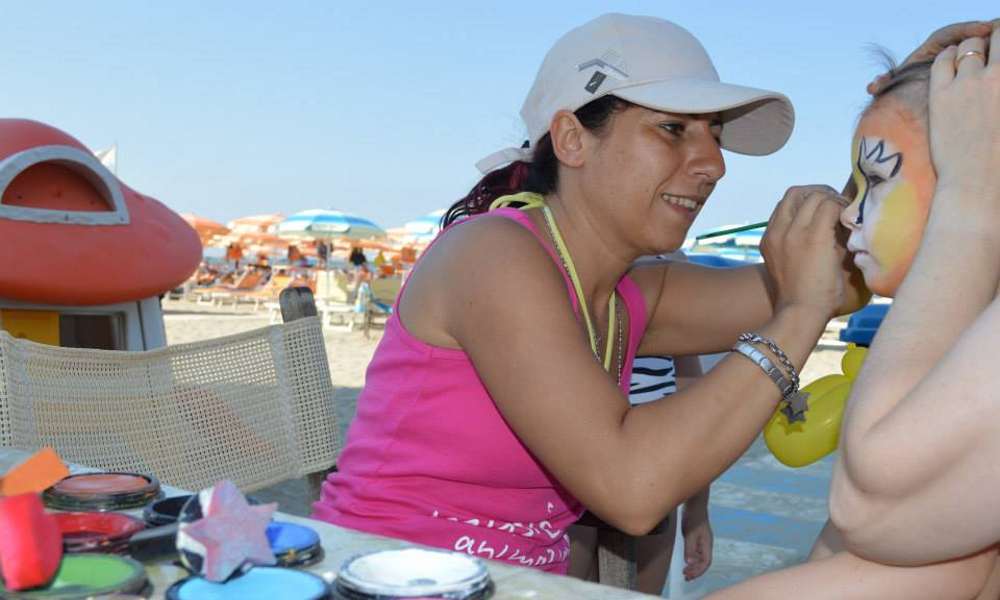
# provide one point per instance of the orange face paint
(895, 179)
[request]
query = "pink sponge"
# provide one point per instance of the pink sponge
(30, 542)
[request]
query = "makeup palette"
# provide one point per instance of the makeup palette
(294, 545)
(102, 492)
(414, 573)
(87, 575)
(97, 531)
(264, 583)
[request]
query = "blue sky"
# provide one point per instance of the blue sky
(233, 108)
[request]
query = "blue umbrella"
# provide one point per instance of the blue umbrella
(426, 227)
(329, 224)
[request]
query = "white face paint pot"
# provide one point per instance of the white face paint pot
(413, 573)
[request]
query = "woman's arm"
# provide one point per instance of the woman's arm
(703, 309)
(920, 430)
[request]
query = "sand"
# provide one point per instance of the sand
(349, 353)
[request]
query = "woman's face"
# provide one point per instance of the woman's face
(895, 181)
(656, 170)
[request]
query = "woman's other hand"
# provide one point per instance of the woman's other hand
(949, 35)
(965, 125)
(801, 251)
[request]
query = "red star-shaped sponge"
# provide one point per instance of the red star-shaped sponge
(230, 533)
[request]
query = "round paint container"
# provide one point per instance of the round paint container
(294, 545)
(97, 531)
(87, 575)
(264, 583)
(102, 492)
(413, 573)
(165, 511)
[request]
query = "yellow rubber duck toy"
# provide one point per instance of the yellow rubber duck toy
(804, 442)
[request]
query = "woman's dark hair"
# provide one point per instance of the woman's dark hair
(541, 175)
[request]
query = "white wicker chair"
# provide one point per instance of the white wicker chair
(256, 407)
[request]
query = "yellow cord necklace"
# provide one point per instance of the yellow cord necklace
(529, 200)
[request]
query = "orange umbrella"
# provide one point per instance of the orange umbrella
(373, 244)
(256, 223)
(262, 239)
(206, 228)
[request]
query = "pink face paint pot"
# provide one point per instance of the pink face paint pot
(414, 573)
(263, 583)
(102, 492)
(97, 531)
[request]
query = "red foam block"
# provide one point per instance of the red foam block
(30, 542)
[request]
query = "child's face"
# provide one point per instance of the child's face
(895, 180)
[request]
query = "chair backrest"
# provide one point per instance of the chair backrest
(332, 286)
(385, 289)
(255, 407)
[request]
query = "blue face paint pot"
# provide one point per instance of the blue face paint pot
(294, 545)
(264, 583)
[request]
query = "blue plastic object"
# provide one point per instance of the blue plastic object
(863, 324)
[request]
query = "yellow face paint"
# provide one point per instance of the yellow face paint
(900, 224)
(895, 181)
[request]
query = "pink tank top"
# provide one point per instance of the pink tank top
(430, 459)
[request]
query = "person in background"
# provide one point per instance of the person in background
(323, 252)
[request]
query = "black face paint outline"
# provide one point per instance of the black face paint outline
(875, 156)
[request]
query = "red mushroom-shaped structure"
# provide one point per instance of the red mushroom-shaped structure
(73, 234)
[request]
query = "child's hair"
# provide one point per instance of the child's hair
(909, 83)
(541, 175)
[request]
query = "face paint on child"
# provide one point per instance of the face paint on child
(895, 180)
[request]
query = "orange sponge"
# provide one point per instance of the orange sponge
(40, 471)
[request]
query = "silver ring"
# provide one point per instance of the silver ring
(969, 53)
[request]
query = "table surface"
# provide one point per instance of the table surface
(340, 544)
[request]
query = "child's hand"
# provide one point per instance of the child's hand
(698, 541)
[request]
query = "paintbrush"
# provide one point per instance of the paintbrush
(729, 231)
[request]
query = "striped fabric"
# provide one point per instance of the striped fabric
(330, 224)
(653, 377)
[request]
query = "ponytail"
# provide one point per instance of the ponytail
(541, 175)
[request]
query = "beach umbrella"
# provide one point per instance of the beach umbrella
(206, 228)
(426, 226)
(328, 224)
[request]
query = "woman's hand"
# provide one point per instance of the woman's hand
(936, 42)
(801, 250)
(965, 125)
(698, 538)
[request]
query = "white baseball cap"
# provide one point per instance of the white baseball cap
(654, 63)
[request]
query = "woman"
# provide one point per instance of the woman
(494, 409)
(916, 481)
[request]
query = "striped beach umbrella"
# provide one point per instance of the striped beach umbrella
(427, 226)
(328, 224)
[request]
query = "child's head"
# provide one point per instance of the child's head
(894, 177)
